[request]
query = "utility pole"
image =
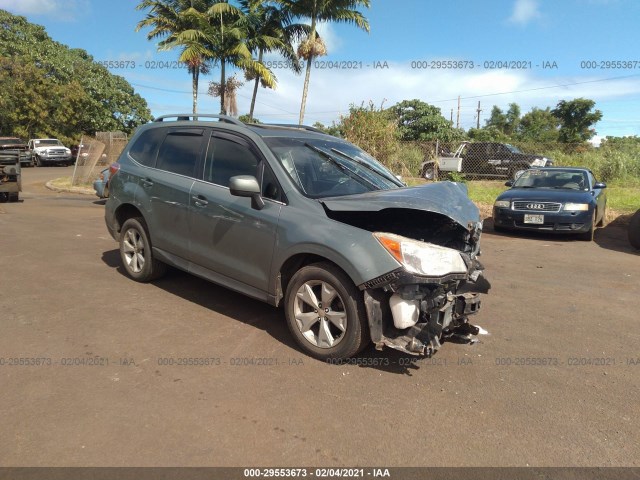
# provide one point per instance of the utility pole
(479, 110)
(452, 116)
(458, 115)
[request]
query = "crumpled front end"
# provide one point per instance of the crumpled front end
(430, 299)
(433, 232)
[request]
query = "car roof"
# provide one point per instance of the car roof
(566, 169)
(261, 129)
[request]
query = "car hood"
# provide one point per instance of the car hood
(13, 146)
(445, 198)
(546, 195)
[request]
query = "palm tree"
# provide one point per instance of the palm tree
(270, 29)
(230, 45)
(181, 24)
(340, 11)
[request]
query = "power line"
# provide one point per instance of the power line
(536, 89)
(548, 87)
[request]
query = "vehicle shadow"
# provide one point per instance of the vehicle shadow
(615, 236)
(217, 299)
(265, 317)
(612, 237)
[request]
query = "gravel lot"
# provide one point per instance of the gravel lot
(555, 383)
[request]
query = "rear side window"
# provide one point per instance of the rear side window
(145, 148)
(180, 152)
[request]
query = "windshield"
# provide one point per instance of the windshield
(11, 141)
(48, 142)
(567, 179)
(512, 149)
(325, 168)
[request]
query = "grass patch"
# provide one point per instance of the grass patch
(65, 183)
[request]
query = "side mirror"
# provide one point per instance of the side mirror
(247, 186)
(600, 185)
(508, 183)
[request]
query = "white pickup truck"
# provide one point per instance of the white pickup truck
(48, 151)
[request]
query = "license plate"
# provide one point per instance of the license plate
(537, 219)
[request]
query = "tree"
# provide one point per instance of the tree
(181, 24)
(487, 134)
(539, 125)
(49, 89)
(497, 119)
(270, 29)
(506, 123)
(340, 11)
(418, 120)
(513, 119)
(576, 119)
(229, 44)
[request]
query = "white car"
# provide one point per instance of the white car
(47, 151)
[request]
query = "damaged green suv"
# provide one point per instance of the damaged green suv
(294, 216)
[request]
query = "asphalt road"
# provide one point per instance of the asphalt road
(555, 383)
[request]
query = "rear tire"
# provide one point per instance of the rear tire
(136, 254)
(325, 312)
(634, 230)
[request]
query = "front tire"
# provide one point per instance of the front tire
(136, 254)
(588, 235)
(634, 230)
(37, 162)
(429, 171)
(325, 312)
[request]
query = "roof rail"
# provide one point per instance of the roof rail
(196, 116)
(291, 125)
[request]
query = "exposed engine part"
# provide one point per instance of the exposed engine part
(442, 316)
(405, 312)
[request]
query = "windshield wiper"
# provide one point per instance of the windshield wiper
(352, 174)
(368, 167)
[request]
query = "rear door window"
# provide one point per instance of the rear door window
(180, 151)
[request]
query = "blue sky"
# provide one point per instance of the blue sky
(561, 34)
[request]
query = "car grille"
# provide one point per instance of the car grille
(57, 152)
(533, 206)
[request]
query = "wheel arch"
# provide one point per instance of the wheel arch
(294, 263)
(123, 213)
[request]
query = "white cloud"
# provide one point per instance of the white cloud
(331, 40)
(28, 7)
(65, 10)
(524, 11)
(332, 91)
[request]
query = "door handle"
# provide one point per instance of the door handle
(147, 183)
(199, 200)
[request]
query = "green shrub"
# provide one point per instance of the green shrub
(372, 130)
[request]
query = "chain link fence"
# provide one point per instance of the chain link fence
(477, 160)
(95, 153)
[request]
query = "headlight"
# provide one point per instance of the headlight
(576, 207)
(539, 162)
(502, 204)
(422, 258)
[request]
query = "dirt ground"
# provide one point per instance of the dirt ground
(98, 370)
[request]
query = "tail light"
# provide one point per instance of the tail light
(113, 169)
